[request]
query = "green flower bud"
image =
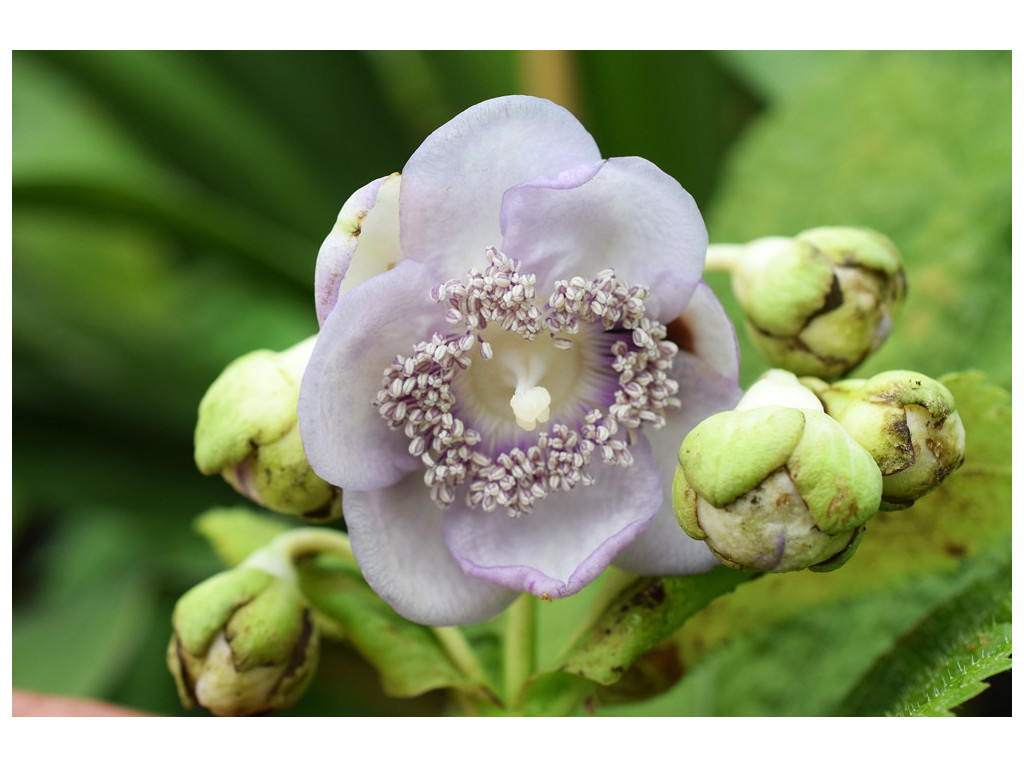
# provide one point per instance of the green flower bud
(907, 422)
(775, 487)
(819, 303)
(244, 643)
(248, 432)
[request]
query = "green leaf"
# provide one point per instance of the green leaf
(777, 75)
(407, 656)
(183, 108)
(555, 694)
(640, 616)
(943, 661)
(70, 151)
(806, 664)
(235, 533)
(82, 643)
(918, 147)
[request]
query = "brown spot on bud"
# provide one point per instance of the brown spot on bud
(955, 549)
(833, 300)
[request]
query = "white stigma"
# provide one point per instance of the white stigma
(531, 406)
(524, 364)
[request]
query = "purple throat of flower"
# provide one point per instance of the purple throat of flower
(555, 385)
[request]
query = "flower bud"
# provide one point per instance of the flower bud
(775, 487)
(244, 643)
(248, 432)
(819, 303)
(908, 423)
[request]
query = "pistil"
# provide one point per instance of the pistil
(531, 406)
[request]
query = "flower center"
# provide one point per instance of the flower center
(526, 383)
(588, 365)
(518, 379)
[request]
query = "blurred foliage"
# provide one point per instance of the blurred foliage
(168, 208)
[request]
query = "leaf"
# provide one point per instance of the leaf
(89, 623)
(237, 532)
(554, 694)
(185, 110)
(643, 614)
(82, 643)
(70, 151)
(807, 663)
(777, 75)
(917, 146)
(408, 657)
(944, 660)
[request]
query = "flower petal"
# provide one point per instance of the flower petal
(629, 215)
(453, 184)
(709, 333)
(346, 441)
(396, 535)
(368, 221)
(567, 540)
(663, 548)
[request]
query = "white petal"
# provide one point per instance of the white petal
(347, 442)
(712, 335)
(368, 222)
(626, 215)
(568, 539)
(453, 184)
(397, 540)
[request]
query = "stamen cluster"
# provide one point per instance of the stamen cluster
(499, 294)
(417, 393)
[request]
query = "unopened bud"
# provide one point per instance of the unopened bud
(775, 487)
(244, 643)
(819, 303)
(908, 423)
(248, 432)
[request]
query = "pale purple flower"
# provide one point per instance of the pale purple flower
(495, 384)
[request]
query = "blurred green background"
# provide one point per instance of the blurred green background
(168, 208)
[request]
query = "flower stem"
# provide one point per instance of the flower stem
(461, 654)
(722, 257)
(303, 542)
(279, 556)
(520, 648)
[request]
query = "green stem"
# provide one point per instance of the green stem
(722, 257)
(520, 648)
(305, 542)
(279, 556)
(461, 654)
